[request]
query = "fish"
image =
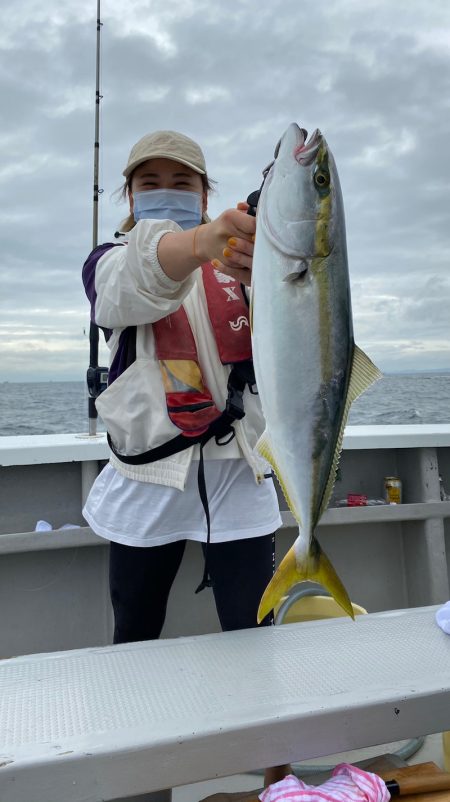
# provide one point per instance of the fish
(308, 368)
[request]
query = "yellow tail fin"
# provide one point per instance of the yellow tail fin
(316, 568)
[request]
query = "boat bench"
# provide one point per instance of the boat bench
(103, 723)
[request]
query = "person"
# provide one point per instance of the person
(181, 410)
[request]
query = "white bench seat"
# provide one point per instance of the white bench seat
(102, 723)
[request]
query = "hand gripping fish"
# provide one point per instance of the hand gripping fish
(308, 368)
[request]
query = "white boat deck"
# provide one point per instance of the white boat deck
(98, 723)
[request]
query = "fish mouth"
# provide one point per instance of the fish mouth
(306, 151)
(293, 151)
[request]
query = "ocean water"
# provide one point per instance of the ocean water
(57, 407)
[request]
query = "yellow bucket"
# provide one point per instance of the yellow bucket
(313, 608)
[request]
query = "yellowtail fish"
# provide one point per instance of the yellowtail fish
(308, 368)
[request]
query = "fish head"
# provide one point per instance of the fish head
(300, 202)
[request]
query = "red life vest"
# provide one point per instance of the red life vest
(189, 402)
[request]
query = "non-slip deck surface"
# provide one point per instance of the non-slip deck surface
(96, 724)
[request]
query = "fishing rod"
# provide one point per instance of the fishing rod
(96, 376)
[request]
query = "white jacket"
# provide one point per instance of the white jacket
(131, 289)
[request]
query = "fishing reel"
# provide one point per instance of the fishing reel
(253, 198)
(252, 201)
(97, 381)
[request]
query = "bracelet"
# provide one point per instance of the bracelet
(194, 250)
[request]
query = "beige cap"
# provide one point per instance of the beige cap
(166, 145)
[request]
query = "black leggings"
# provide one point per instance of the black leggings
(141, 579)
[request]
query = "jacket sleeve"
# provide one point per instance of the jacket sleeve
(125, 282)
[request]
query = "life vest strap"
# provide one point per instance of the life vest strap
(218, 429)
(241, 374)
(206, 579)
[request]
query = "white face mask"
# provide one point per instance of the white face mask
(184, 208)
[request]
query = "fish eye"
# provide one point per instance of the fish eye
(322, 179)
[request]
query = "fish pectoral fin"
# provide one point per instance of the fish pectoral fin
(363, 374)
(264, 447)
(316, 567)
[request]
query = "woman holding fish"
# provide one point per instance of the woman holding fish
(180, 408)
(181, 395)
(190, 448)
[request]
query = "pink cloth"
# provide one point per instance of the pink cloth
(347, 784)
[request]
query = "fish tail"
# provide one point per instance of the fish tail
(315, 567)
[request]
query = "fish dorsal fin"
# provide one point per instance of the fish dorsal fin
(363, 374)
(265, 449)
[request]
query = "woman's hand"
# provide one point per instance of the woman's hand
(229, 242)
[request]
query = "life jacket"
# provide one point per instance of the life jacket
(190, 405)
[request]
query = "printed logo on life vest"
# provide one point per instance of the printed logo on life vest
(238, 324)
(231, 294)
(222, 278)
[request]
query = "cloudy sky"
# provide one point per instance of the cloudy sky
(373, 75)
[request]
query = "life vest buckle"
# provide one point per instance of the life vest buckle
(235, 404)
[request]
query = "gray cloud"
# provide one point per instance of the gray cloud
(374, 77)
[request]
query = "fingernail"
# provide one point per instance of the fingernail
(253, 237)
(227, 253)
(232, 242)
(215, 262)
